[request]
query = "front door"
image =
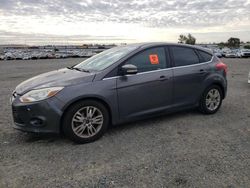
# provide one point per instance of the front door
(150, 90)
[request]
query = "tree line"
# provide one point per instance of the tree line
(231, 42)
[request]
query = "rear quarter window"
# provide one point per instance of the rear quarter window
(184, 56)
(205, 56)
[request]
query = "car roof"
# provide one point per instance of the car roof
(154, 44)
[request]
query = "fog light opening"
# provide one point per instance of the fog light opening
(38, 122)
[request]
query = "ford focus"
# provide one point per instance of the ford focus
(119, 85)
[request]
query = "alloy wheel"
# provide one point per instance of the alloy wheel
(213, 99)
(87, 122)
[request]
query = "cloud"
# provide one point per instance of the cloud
(157, 13)
(60, 39)
(187, 15)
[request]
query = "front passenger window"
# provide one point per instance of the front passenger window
(149, 60)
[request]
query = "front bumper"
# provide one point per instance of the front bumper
(39, 117)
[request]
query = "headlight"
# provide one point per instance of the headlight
(40, 94)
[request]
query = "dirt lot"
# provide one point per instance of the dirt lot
(185, 149)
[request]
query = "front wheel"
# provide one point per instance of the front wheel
(211, 100)
(85, 121)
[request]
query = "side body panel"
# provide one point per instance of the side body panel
(103, 90)
(188, 83)
(144, 93)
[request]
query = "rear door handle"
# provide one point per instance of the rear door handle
(162, 78)
(202, 71)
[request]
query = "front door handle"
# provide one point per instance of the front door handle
(162, 78)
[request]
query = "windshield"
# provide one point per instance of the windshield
(105, 59)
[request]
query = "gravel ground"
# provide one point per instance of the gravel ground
(185, 149)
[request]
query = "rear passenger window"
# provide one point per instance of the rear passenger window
(184, 56)
(148, 60)
(205, 56)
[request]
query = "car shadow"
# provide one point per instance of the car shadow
(147, 121)
(43, 138)
(40, 137)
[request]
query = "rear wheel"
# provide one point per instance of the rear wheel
(85, 121)
(211, 100)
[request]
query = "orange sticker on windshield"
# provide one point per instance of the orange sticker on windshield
(154, 60)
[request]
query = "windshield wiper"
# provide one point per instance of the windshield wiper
(84, 70)
(78, 69)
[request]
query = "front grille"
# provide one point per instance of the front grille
(16, 116)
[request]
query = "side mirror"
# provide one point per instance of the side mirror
(128, 69)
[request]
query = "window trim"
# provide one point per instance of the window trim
(170, 68)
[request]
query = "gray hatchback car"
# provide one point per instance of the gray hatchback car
(119, 85)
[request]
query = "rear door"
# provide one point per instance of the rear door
(149, 90)
(189, 69)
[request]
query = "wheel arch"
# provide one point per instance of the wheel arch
(221, 87)
(218, 80)
(217, 83)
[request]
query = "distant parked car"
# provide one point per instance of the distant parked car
(231, 55)
(9, 56)
(120, 85)
(224, 51)
(218, 54)
(26, 58)
(245, 53)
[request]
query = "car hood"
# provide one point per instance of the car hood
(61, 77)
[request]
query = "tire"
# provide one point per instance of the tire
(85, 121)
(215, 102)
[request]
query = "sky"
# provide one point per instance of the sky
(40, 22)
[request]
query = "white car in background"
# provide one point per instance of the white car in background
(218, 54)
(245, 53)
(231, 54)
(224, 51)
(1, 57)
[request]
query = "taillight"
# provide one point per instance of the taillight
(221, 66)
